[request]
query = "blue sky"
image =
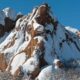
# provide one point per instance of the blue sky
(67, 11)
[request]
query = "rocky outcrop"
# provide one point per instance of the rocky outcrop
(35, 42)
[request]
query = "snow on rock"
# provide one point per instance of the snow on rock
(10, 45)
(48, 73)
(36, 41)
(58, 64)
(38, 27)
(17, 62)
(7, 12)
(73, 30)
(8, 19)
(31, 67)
(10, 13)
(49, 55)
(65, 41)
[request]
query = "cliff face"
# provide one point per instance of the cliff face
(36, 41)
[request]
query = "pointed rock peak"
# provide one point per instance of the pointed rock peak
(42, 14)
(9, 12)
(73, 30)
(19, 13)
(7, 9)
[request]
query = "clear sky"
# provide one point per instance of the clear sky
(67, 11)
